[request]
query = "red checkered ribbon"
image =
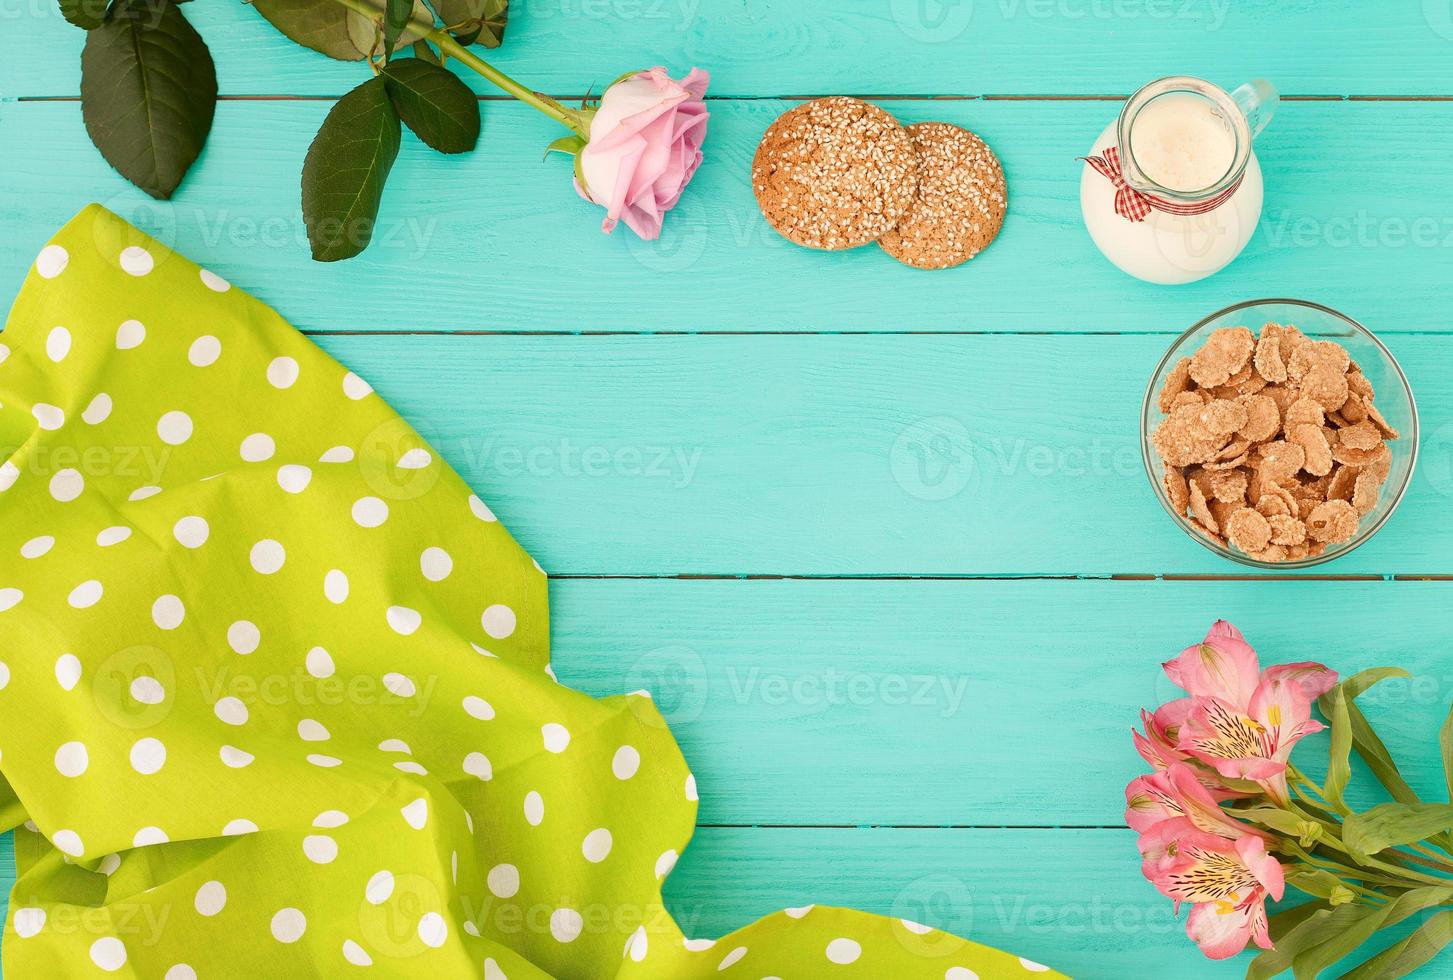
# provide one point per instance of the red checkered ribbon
(1134, 205)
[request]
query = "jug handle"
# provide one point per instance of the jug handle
(1257, 100)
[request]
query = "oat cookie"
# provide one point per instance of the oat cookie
(835, 173)
(961, 199)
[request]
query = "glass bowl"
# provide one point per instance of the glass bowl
(1392, 397)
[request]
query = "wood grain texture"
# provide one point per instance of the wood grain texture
(497, 239)
(840, 455)
(899, 47)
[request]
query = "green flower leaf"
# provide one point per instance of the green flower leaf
(434, 103)
(148, 93)
(1390, 824)
(1402, 958)
(570, 143)
(475, 21)
(85, 14)
(1339, 750)
(331, 28)
(1369, 747)
(345, 171)
(1445, 742)
(1355, 927)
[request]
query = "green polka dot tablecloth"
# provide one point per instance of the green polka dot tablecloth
(275, 690)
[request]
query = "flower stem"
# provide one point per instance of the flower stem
(457, 51)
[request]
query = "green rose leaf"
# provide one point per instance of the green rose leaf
(345, 170)
(434, 103)
(475, 21)
(148, 93)
(85, 14)
(1390, 824)
(333, 29)
(395, 19)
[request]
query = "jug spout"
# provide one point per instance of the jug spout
(1257, 101)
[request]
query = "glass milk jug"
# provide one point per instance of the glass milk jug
(1171, 191)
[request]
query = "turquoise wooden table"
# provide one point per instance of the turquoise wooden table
(906, 679)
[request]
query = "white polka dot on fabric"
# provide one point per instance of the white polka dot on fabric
(481, 509)
(320, 848)
(1032, 966)
(556, 736)
(238, 827)
(477, 765)
(180, 972)
(534, 808)
(10, 598)
(399, 685)
(565, 925)
(410, 766)
(503, 880)
(638, 945)
(85, 595)
(369, 512)
(319, 663)
(288, 925)
(330, 819)
(191, 532)
(235, 758)
(843, 951)
(243, 637)
(435, 564)
(174, 428)
(416, 814)
(691, 788)
(68, 842)
(282, 372)
(312, 730)
(338, 454)
(267, 556)
(294, 478)
(136, 261)
(148, 756)
(596, 846)
(142, 493)
(415, 459)
(58, 344)
(4, 675)
(130, 335)
(324, 761)
(356, 954)
(213, 281)
(498, 621)
(147, 690)
(335, 587)
(4, 353)
(665, 863)
(168, 612)
(9, 473)
(379, 888)
(492, 970)
(28, 922)
(433, 930)
(68, 671)
(698, 945)
(231, 711)
(960, 973)
(799, 911)
(204, 351)
(98, 411)
(108, 953)
(52, 261)
(403, 620)
(66, 485)
(113, 535)
(72, 759)
(258, 448)
(394, 745)
(732, 959)
(48, 417)
(355, 387)
(109, 864)
(149, 836)
(211, 898)
(477, 707)
(625, 762)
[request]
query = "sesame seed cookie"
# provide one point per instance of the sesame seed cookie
(835, 173)
(961, 199)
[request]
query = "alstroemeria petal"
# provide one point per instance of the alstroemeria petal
(1223, 665)
(1221, 929)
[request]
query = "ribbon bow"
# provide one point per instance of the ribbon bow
(1134, 205)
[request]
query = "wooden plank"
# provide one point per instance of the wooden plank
(791, 47)
(793, 455)
(968, 703)
(497, 240)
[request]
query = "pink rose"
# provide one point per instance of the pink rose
(645, 144)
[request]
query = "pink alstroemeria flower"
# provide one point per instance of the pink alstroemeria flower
(1227, 882)
(1241, 721)
(1179, 792)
